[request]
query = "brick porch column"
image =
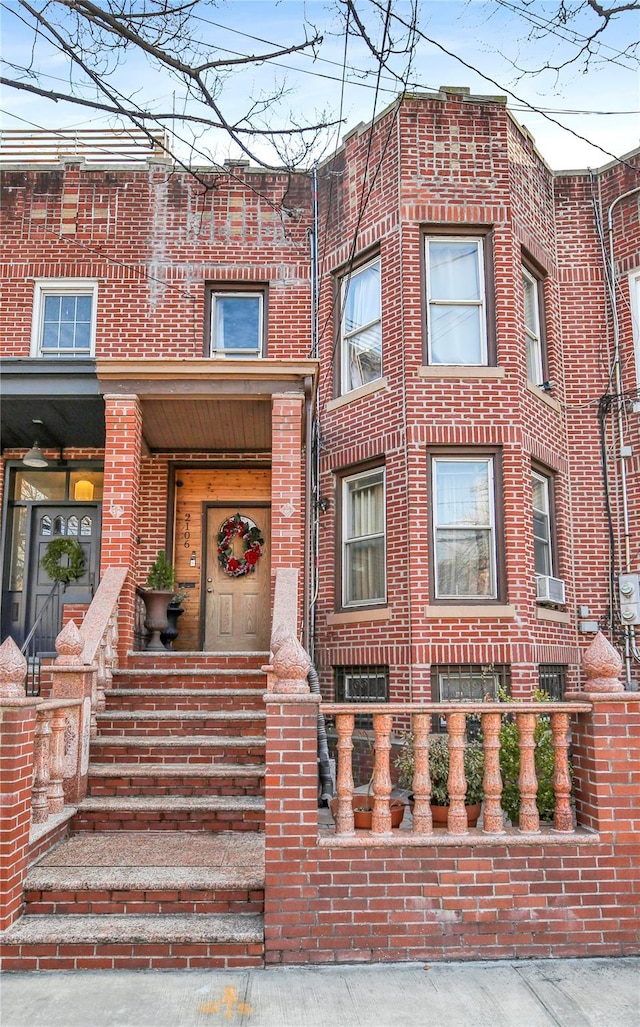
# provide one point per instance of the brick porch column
(17, 733)
(606, 750)
(287, 496)
(122, 459)
(291, 797)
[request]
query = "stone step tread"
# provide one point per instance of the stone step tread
(117, 929)
(180, 741)
(187, 671)
(182, 715)
(170, 803)
(175, 693)
(176, 769)
(144, 879)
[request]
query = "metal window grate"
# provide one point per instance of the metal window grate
(552, 678)
(467, 682)
(362, 684)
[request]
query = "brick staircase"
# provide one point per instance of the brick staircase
(165, 863)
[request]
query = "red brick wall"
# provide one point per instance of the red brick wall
(486, 899)
(17, 730)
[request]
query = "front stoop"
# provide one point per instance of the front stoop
(165, 868)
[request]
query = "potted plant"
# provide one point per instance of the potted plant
(439, 774)
(159, 587)
(174, 610)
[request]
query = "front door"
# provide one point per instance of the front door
(237, 609)
(81, 523)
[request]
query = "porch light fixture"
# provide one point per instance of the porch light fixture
(35, 457)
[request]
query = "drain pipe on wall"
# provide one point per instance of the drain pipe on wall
(631, 648)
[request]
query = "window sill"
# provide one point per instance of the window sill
(535, 390)
(460, 371)
(470, 612)
(544, 613)
(365, 390)
(359, 616)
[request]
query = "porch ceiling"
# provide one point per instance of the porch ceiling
(206, 424)
(207, 405)
(62, 395)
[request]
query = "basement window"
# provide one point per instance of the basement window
(360, 685)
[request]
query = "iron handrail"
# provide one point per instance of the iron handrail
(32, 683)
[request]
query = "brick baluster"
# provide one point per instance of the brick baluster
(527, 781)
(345, 723)
(456, 782)
(17, 731)
(493, 817)
(422, 819)
(563, 814)
(381, 784)
(41, 764)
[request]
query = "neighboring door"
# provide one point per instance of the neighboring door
(237, 611)
(50, 522)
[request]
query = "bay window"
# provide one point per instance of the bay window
(363, 539)
(464, 527)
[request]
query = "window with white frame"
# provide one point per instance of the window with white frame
(237, 323)
(464, 527)
(542, 528)
(361, 328)
(363, 538)
(64, 318)
(532, 326)
(456, 303)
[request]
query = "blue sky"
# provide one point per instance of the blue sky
(486, 36)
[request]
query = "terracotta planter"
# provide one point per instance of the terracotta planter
(363, 817)
(439, 814)
(156, 620)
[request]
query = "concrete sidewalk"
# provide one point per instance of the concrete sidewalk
(535, 993)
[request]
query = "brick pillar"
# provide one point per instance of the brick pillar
(606, 750)
(287, 496)
(17, 733)
(291, 818)
(123, 446)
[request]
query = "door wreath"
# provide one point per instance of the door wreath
(58, 548)
(239, 527)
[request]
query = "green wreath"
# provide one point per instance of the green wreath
(58, 548)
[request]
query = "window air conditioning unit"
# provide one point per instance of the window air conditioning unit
(549, 590)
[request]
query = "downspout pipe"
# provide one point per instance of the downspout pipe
(629, 634)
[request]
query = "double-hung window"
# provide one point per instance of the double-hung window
(64, 318)
(361, 327)
(464, 527)
(542, 537)
(363, 539)
(237, 324)
(456, 303)
(532, 326)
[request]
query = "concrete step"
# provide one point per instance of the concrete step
(180, 748)
(192, 699)
(172, 658)
(128, 942)
(125, 872)
(213, 813)
(118, 723)
(113, 779)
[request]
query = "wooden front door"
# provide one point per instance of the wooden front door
(237, 609)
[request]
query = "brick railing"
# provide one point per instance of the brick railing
(490, 716)
(44, 743)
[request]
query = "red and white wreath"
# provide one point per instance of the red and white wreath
(239, 527)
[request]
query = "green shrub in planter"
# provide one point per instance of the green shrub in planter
(161, 576)
(544, 764)
(439, 768)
